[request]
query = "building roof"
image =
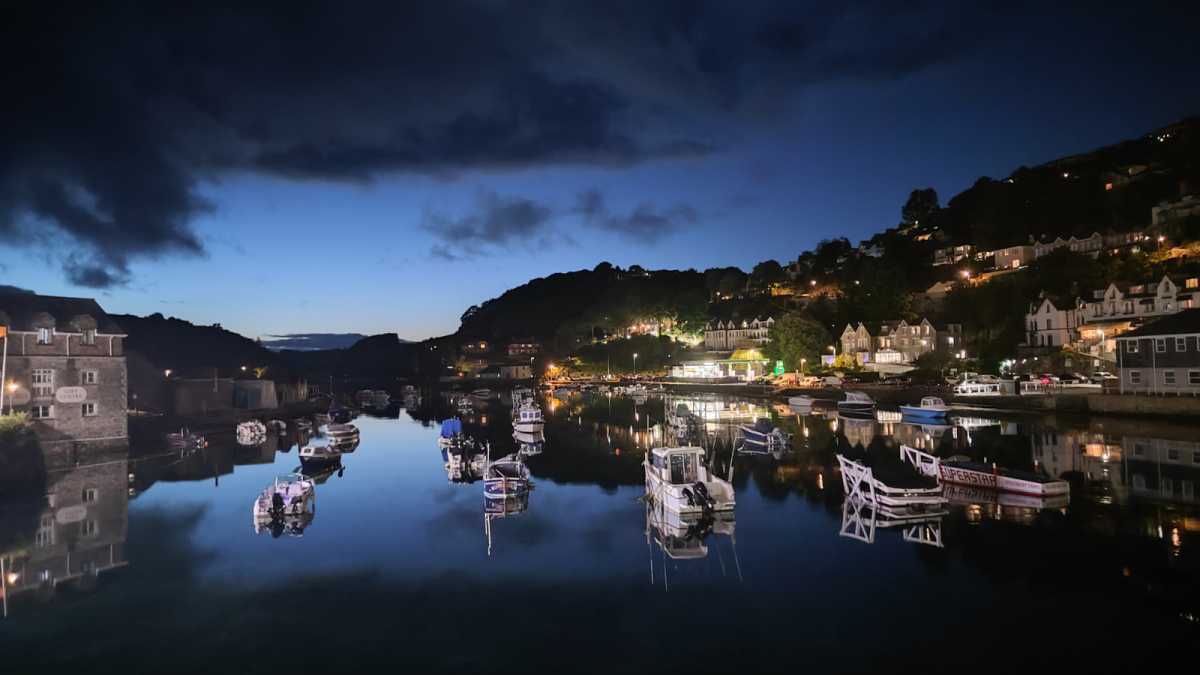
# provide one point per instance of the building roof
(21, 308)
(1186, 322)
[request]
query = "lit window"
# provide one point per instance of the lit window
(89, 409)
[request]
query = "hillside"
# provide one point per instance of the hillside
(189, 349)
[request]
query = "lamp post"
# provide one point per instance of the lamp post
(802, 362)
(635, 364)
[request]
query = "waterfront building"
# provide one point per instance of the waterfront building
(65, 367)
(729, 335)
(524, 347)
(1162, 357)
(899, 342)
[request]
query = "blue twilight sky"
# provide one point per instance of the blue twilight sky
(382, 171)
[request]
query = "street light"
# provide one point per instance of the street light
(802, 362)
(243, 369)
(635, 362)
(167, 372)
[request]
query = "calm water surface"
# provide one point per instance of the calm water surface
(141, 559)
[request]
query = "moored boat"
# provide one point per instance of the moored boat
(341, 433)
(320, 455)
(931, 407)
(679, 479)
(527, 418)
(340, 415)
(287, 504)
(764, 434)
(856, 403)
(963, 471)
(251, 432)
(505, 477)
(889, 482)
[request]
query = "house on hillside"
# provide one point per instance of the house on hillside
(952, 254)
(899, 342)
(1013, 257)
(1168, 213)
(65, 367)
(724, 336)
(1162, 357)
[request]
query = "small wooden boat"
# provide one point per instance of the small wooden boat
(857, 403)
(931, 407)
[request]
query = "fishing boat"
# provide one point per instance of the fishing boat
(289, 502)
(251, 432)
(857, 403)
(931, 407)
(320, 455)
(680, 480)
(887, 481)
(463, 465)
(506, 477)
(964, 471)
(341, 433)
(186, 440)
(527, 418)
(764, 434)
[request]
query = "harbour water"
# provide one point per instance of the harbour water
(144, 559)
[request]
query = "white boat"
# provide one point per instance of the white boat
(506, 477)
(856, 403)
(463, 466)
(527, 418)
(889, 487)
(680, 480)
(931, 407)
(252, 432)
(977, 388)
(962, 471)
(319, 455)
(287, 504)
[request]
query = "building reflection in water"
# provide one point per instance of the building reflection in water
(73, 529)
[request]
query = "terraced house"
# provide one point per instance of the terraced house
(65, 367)
(1162, 357)
(899, 342)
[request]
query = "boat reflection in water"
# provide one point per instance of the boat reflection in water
(497, 508)
(860, 519)
(529, 444)
(464, 465)
(686, 539)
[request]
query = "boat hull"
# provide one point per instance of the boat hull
(960, 475)
(529, 427)
(917, 412)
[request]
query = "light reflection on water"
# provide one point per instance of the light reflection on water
(92, 532)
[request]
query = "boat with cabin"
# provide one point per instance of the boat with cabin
(683, 421)
(341, 433)
(527, 417)
(680, 479)
(931, 408)
(320, 456)
(857, 403)
(288, 504)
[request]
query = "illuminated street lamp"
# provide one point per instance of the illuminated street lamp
(635, 362)
(167, 372)
(802, 362)
(966, 274)
(243, 369)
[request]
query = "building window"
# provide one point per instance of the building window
(1169, 377)
(43, 382)
(1049, 323)
(1181, 344)
(1160, 345)
(91, 377)
(1135, 377)
(89, 409)
(41, 412)
(45, 336)
(89, 495)
(89, 336)
(1194, 377)
(89, 528)
(1173, 454)
(1192, 283)
(1196, 457)
(1131, 346)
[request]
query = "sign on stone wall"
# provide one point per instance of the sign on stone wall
(70, 395)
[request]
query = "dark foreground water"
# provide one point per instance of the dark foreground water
(141, 559)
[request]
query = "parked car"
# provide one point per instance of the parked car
(1100, 376)
(1066, 378)
(831, 381)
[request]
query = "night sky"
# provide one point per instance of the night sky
(379, 170)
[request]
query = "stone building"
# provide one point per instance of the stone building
(65, 367)
(899, 342)
(724, 336)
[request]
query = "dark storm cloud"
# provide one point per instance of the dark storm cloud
(646, 222)
(496, 221)
(114, 114)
